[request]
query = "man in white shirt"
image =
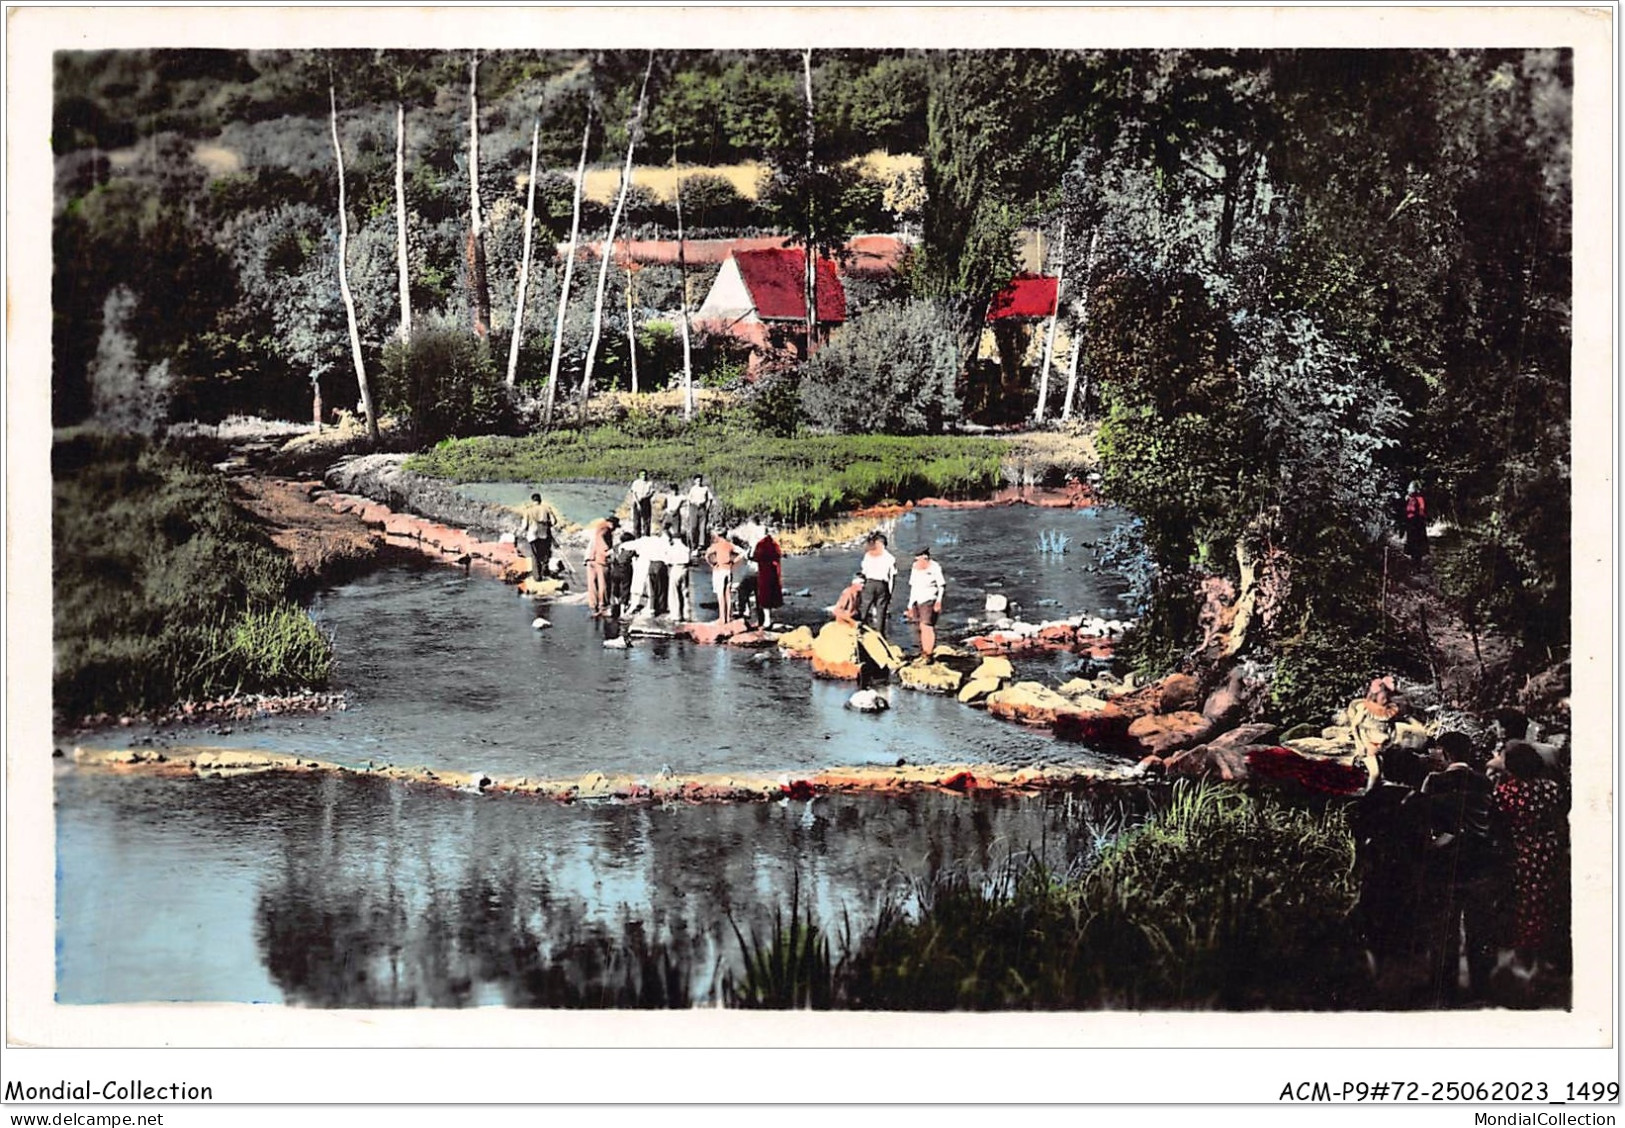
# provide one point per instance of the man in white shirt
(697, 512)
(926, 586)
(641, 496)
(677, 556)
(879, 570)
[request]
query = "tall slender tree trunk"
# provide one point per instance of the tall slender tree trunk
(631, 334)
(400, 221)
(633, 128)
(1077, 332)
(682, 294)
(344, 276)
(810, 291)
(524, 260)
(569, 270)
(479, 288)
(1054, 318)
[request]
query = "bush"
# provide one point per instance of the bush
(445, 382)
(1218, 900)
(892, 370)
(1316, 674)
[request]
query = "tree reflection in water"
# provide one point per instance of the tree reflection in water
(390, 895)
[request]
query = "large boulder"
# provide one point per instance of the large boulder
(542, 587)
(1104, 728)
(1161, 733)
(835, 652)
(1284, 766)
(995, 667)
(1028, 702)
(879, 649)
(798, 642)
(932, 677)
(976, 691)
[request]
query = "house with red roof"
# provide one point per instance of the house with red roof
(759, 296)
(1013, 338)
(1026, 297)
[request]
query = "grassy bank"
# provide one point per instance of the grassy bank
(163, 590)
(1218, 901)
(790, 480)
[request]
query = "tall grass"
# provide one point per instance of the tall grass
(1217, 900)
(793, 481)
(162, 588)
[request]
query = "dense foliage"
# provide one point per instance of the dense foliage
(892, 370)
(1217, 901)
(163, 590)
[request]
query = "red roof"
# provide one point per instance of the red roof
(1027, 296)
(776, 280)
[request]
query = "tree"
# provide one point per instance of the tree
(569, 269)
(634, 127)
(344, 277)
(479, 288)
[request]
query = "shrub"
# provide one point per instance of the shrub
(891, 370)
(445, 382)
(1316, 674)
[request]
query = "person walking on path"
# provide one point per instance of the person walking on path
(768, 558)
(640, 496)
(541, 525)
(697, 505)
(600, 542)
(1416, 523)
(879, 569)
(724, 557)
(926, 585)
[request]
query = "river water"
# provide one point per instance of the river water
(347, 891)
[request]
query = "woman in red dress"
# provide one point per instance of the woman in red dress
(769, 581)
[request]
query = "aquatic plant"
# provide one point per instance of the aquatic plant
(791, 970)
(1052, 542)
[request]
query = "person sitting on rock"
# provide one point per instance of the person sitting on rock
(847, 607)
(926, 586)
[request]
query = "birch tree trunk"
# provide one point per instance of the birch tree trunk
(633, 128)
(524, 260)
(479, 290)
(1077, 333)
(400, 221)
(344, 276)
(569, 269)
(1049, 336)
(631, 335)
(810, 289)
(682, 296)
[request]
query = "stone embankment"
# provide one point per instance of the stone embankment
(224, 763)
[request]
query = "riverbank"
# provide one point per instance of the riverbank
(902, 779)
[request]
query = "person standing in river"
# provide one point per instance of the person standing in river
(539, 533)
(767, 557)
(640, 497)
(697, 505)
(926, 585)
(879, 569)
(600, 543)
(677, 557)
(724, 557)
